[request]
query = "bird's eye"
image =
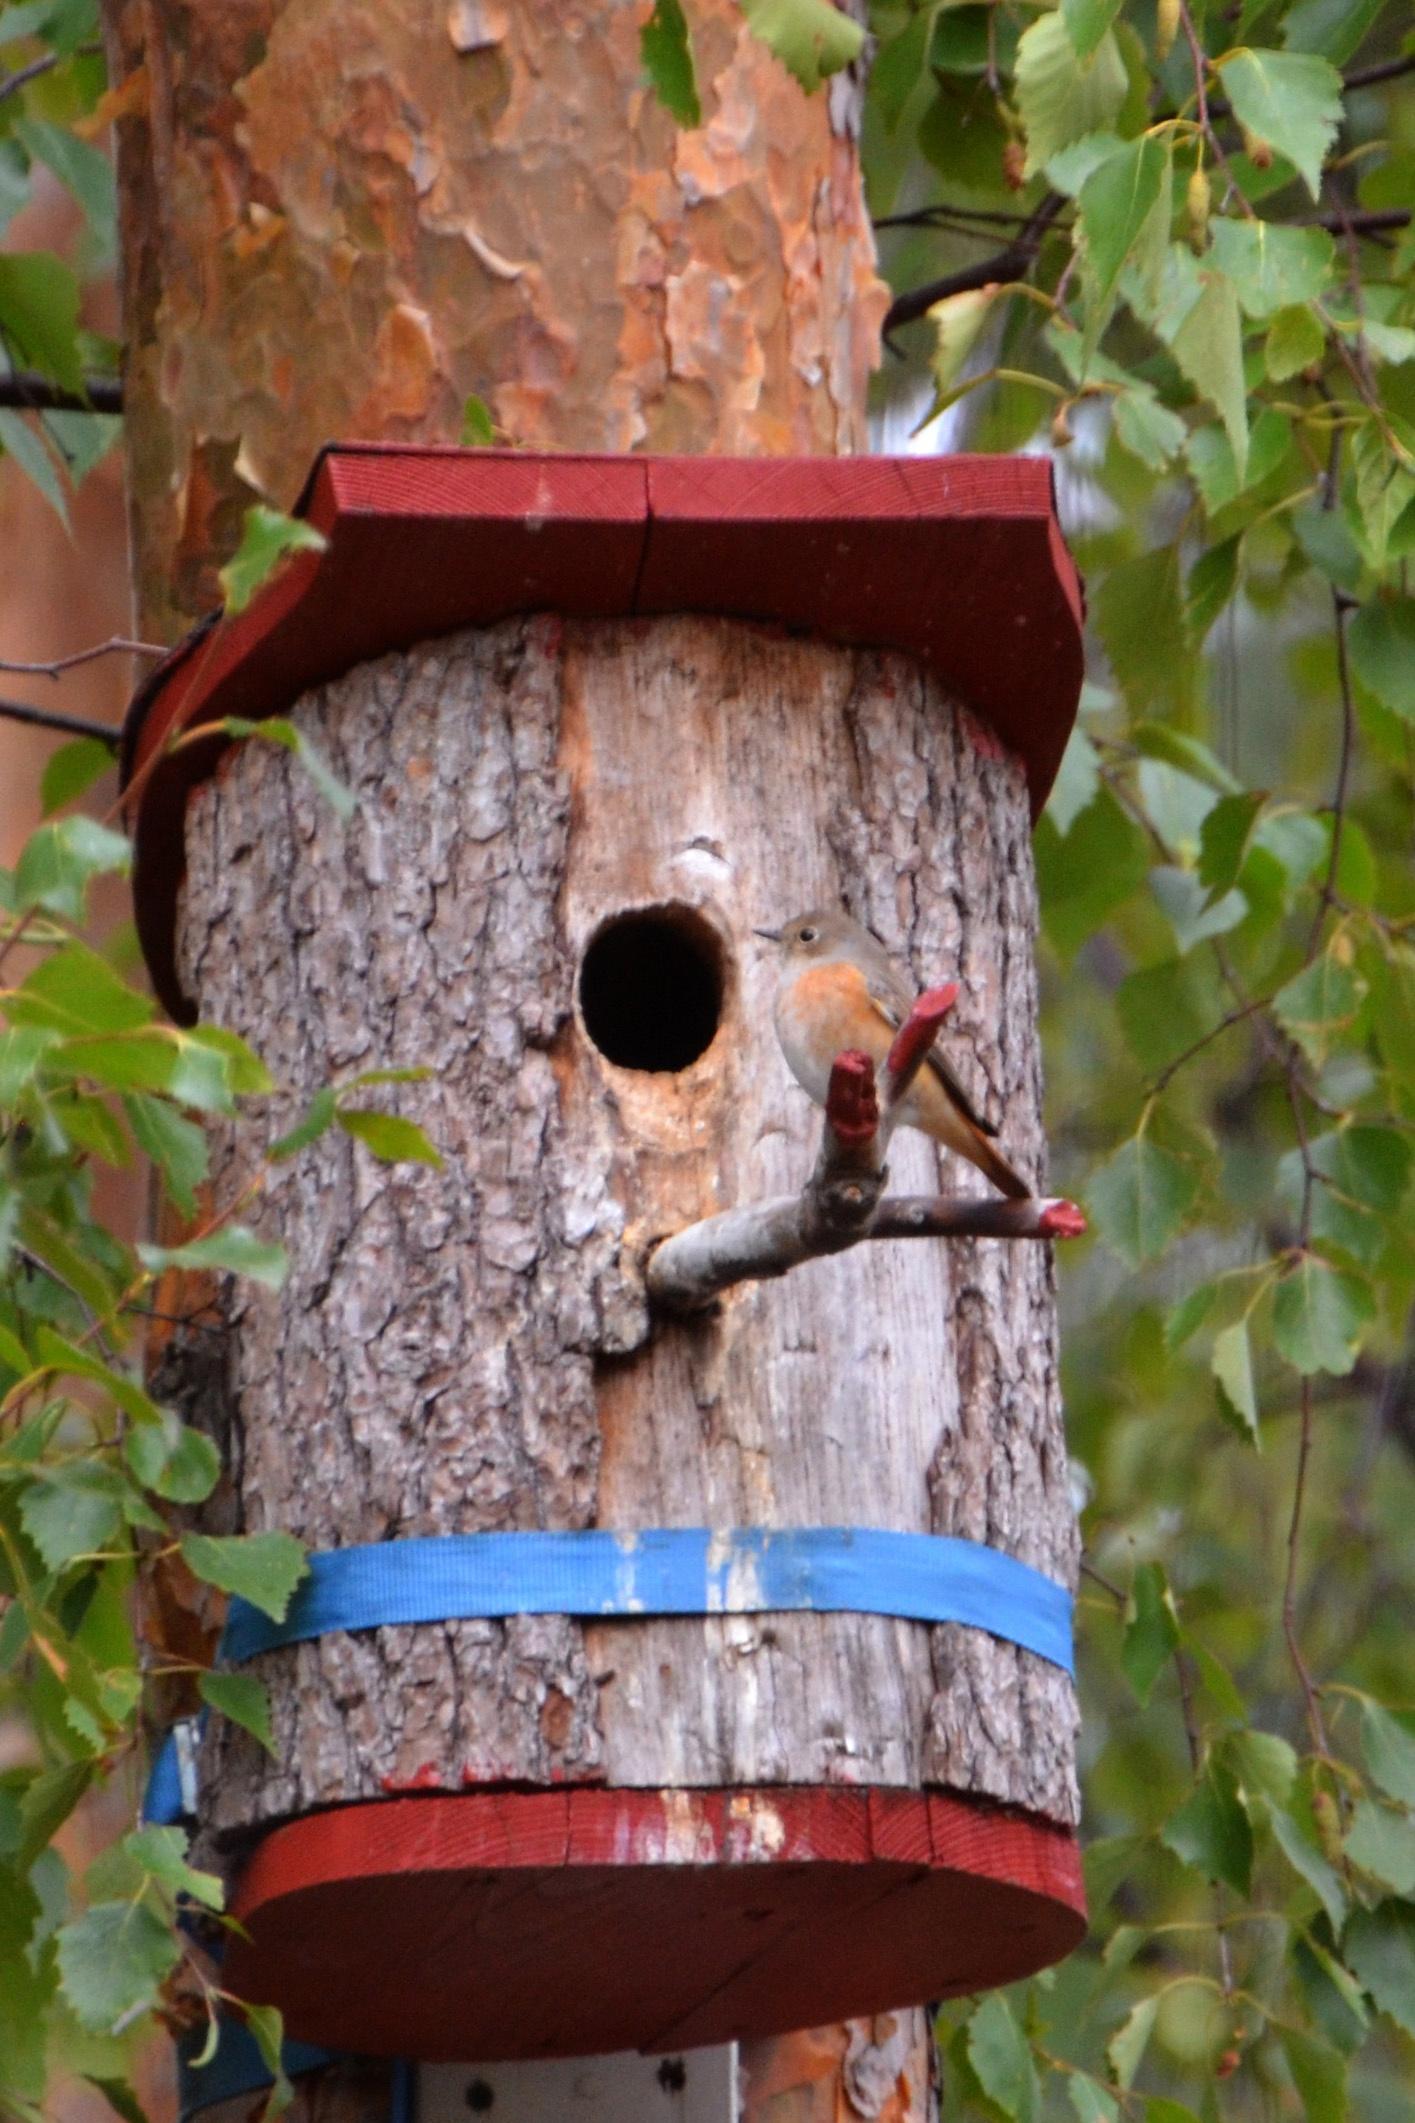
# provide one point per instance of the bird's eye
(809, 935)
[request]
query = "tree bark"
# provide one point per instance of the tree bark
(340, 220)
(471, 1349)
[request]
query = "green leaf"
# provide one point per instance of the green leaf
(161, 1853)
(319, 1116)
(1176, 748)
(1273, 266)
(26, 1985)
(1331, 1992)
(47, 1803)
(811, 38)
(1208, 346)
(1295, 341)
(1318, 1004)
(59, 860)
(245, 1071)
(72, 1510)
(268, 2028)
(1128, 2044)
(71, 1265)
(112, 1959)
(1061, 96)
(1212, 582)
(172, 1459)
(478, 427)
(1335, 28)
(1380, 641)
(1224, 838)
(1192, 913)
(392, 1140)
(236, 1250)
(1077, 781)
(1148, 429)
(1141, 1199)
(1116, 202)
(1211, 1831)
(268, 536)
(1139, 612)
(1151, 1629)
(1081, 878)
(71, 771)
(1308, 1863)
(177, 1146)
(1265, 1765)
(957, 321)
(74, 990)
(666, 55)
(898, 69)
(243, 1699)
(83, 171)
(1379, 1946)
(1090, 2101)
(1381, 1842)
(1232, 1365)
(1002, 2059)
(1389, 1749)
(263, 1568)
(1291, 100)
(1087, 22)
(1319, 2074)
(1320, 1314)
(39, 315)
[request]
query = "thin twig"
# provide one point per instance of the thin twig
(998, 271)
(1340, 606)
(1368, 76)
(1315, 1721)
(24, 392)
(51, 719)
(116, 645)
(11, 84)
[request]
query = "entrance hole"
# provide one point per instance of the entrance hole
(651, 986)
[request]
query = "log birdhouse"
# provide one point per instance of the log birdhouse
(660, 1679)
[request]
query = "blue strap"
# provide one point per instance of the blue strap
(162, 1803)
(690, 1570)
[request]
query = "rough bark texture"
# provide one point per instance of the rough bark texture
(341, 217)
(470, 1349)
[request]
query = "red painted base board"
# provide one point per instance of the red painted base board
(567, 1923)
(955, 560)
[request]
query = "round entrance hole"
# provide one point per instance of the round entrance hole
(651, 988)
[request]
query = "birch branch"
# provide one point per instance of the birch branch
(843, 1202)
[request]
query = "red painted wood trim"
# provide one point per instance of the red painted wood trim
(500, 1924)
(956, 560)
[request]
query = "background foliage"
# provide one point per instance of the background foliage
(1171, 245)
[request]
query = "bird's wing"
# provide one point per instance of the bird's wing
(888, 999)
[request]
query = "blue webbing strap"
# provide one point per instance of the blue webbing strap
(689, 1570)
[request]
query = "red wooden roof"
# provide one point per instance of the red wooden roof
(956, 560)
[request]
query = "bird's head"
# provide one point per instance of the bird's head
(820, 934)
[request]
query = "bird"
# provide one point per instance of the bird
(840, 989)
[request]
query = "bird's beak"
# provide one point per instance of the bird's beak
(773, 936)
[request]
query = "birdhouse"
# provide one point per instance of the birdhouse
(668, 1671)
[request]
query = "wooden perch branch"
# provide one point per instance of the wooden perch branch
(843, 1203)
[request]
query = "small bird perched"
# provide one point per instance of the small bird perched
(840, 989)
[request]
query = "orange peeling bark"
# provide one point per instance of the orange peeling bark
(343, 217)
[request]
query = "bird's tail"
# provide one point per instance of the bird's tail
(990, 1161)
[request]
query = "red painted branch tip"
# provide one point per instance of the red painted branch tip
(851, 1102)
(1062, 1220)
(918, 1033)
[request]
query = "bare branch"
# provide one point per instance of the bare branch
(1012, 264)
(754, 1244)
(117, 644)
(24, 392)
(51, 719)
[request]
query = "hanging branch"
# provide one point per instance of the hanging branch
(841, 1203)
(1004, 267)
(24, 392)
(51, 719)
(116, 645)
